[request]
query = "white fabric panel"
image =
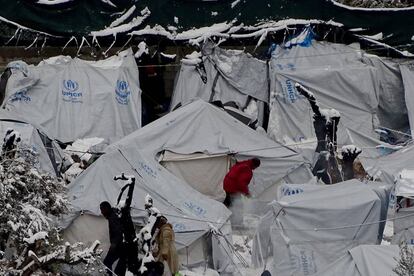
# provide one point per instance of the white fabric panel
(73, 98)
(379, 260)
(206, 174)
(89, 228)
(341, 81)
(392, 112)
(404, 227)
(407, 74)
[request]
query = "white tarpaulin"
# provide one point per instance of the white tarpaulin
(407, 73)
(306, 231)
(338, 78)
(74, 98)
(365, 260)
(200, 127)
(33, 139)
(203, 172)
(392, 111)
(225, 75)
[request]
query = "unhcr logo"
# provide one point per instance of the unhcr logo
(70, 91)
(20, 96)
(290, 91)
(122, 92)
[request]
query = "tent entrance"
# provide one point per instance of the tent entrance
(203, 172)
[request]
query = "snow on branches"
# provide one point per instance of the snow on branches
(31, 199)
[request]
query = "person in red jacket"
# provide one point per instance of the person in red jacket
(238, 178)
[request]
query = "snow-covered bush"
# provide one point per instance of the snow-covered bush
(29, 200)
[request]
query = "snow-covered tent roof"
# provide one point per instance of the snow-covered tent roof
(32, 138)
(74, 98)
(203, 127)
(365, 260)
(340, 80)
(308, 230)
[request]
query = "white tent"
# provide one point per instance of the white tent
(306, 231)
(366, 89)
(74, 98)
(192, 214)
(339, 79)
(200, 127)
(365, 260)
(398, 168)
(49, 155)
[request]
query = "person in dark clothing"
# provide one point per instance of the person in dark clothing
(130, 238)
(117, 249)
(326, 167)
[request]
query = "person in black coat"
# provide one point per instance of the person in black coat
(117, 249)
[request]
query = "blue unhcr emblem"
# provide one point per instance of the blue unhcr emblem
(122, 92)
(20, 96)
(290, 91)
(71, 91)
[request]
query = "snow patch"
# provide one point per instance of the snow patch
(330, 113)
(53, 2)
(235, 3)
(192, 59)
(169, 56)
(142, 49)
(42, 235)
(123, 17)
(377, 36)
(135, 22)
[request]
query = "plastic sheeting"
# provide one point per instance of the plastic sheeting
(392, 111)
(306, 231)
(205, 173)
(365, 260)
(407, 73)
(74, 99)
(228, 76)
(200, 127)
(338, 79)
(388, 167)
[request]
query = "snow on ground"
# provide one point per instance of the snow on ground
(388, 233)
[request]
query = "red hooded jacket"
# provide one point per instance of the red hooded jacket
(238, 178)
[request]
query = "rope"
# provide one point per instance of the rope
(295, 229)
(107, 267)
(228, 254)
